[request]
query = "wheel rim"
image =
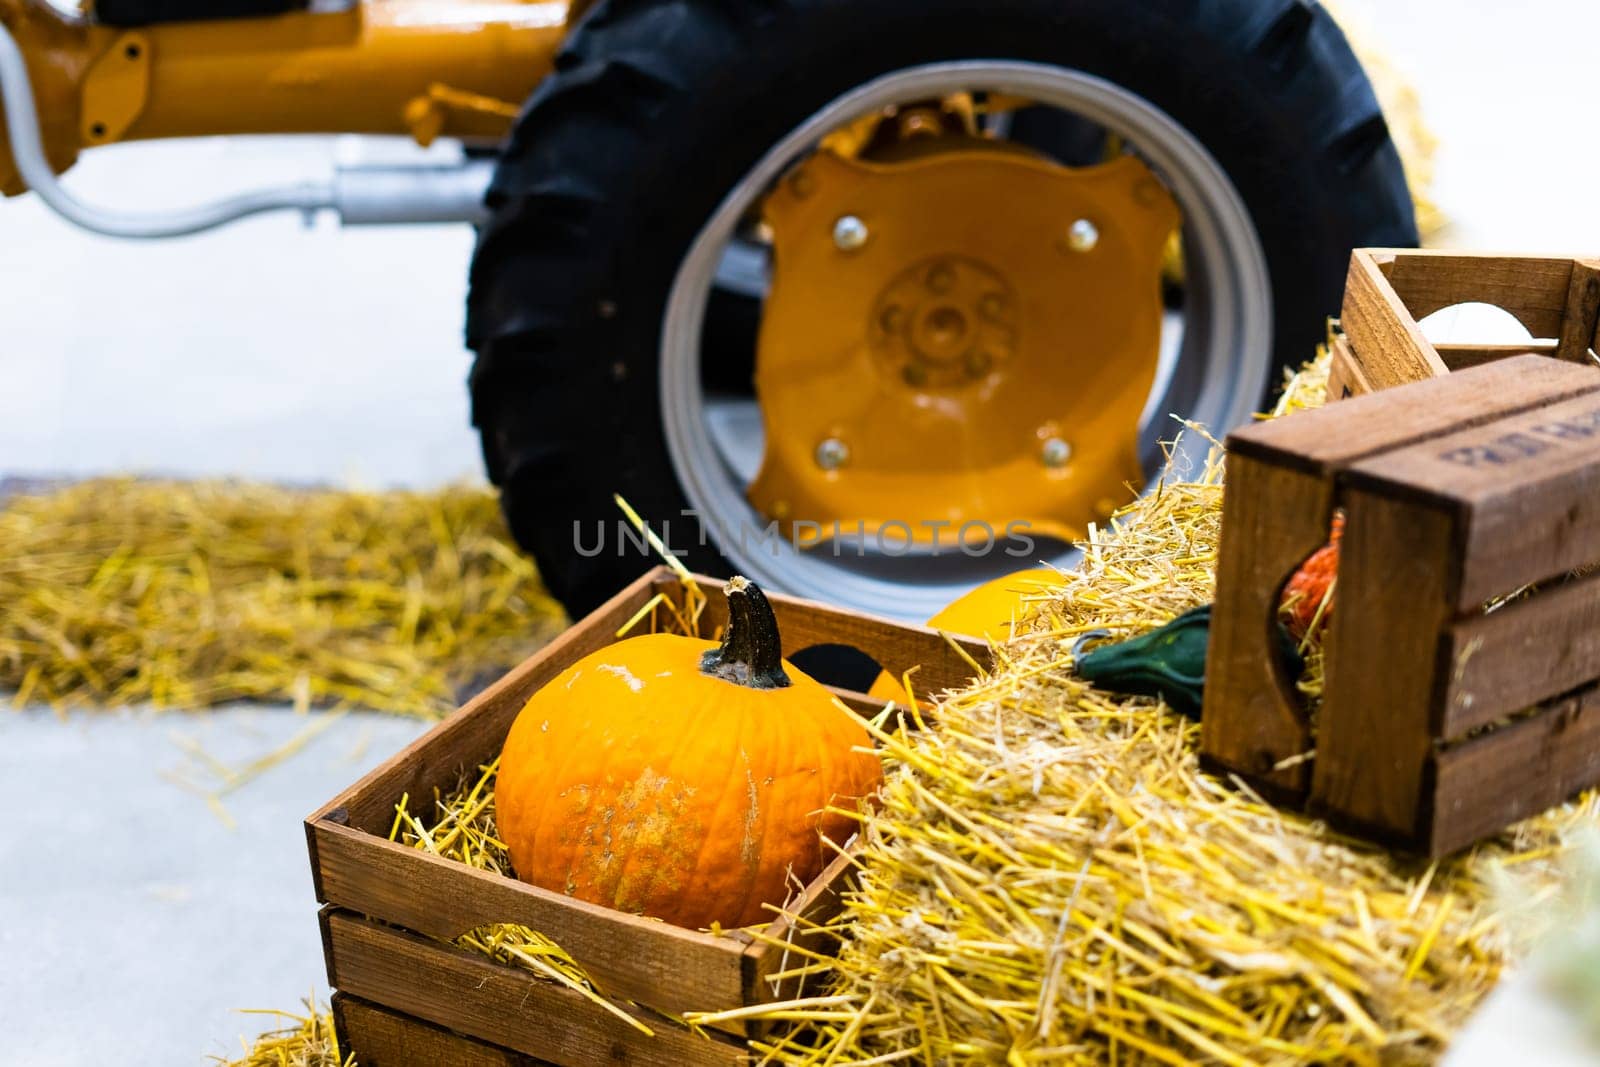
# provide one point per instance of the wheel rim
(1216, 377)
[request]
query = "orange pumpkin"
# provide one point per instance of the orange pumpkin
(1310, 588)
(985, 612)
(676, 778)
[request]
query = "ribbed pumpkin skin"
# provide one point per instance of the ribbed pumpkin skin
(636, 782)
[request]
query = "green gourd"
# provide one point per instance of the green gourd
(1169, 662)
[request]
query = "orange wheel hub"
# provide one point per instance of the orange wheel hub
(968, 336)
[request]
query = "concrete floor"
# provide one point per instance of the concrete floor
(137, 921)
(133, 932)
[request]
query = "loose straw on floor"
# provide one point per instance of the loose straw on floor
(307, 1040)
(186, 595)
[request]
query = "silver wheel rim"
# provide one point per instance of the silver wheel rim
(1216, 379)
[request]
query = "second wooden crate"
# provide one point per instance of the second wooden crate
(1388, 292)
(1441, 721)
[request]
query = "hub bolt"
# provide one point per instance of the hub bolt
(849, 233)
(1055, 453)
(832, 454)
(1083, 236)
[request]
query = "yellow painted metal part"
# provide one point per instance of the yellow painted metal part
(426, 68)
(986, 613)
(956, 350)
(115, 89)
(59, 55)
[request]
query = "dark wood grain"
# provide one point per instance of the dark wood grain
(1374, 730)
(1346, 376)
(1519, 655)
(381, 1038)
(464, 992)
(822, 900)
(1526, 489)
(1534, 289)
(655, 963)
(1461, 356)
(1487, 782)
(1582, 315)
(1272, 518)
(1329, 438)
(1381, 330)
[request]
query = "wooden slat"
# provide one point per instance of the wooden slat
(1346, 376)
(1460, 357)
(667, 967)
(1526, 490)
(477, 731)
(377, 1037)
(1328, 438)
(821, 902)
(1380, 329)
(1273, 517)
(1374, 731)
(1524, 653)
(1534, 289)
(471, 995)
(1487, 782)
(1582, 314)
(897, 647)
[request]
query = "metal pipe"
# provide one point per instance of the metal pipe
(360, 195)
(22, 125)
(377, 196)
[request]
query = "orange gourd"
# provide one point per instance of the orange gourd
(676, 778)
(1312, 584)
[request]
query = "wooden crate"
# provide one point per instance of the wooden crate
(1390, 290)
(1456, 490)
(392, 911)
(390, 1039)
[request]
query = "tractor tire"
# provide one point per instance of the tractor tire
(657, 108)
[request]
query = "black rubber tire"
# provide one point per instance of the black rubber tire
(658, 107)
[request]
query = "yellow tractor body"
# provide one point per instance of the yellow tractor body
(418, 68)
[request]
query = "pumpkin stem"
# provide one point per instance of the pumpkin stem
(751, 653)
